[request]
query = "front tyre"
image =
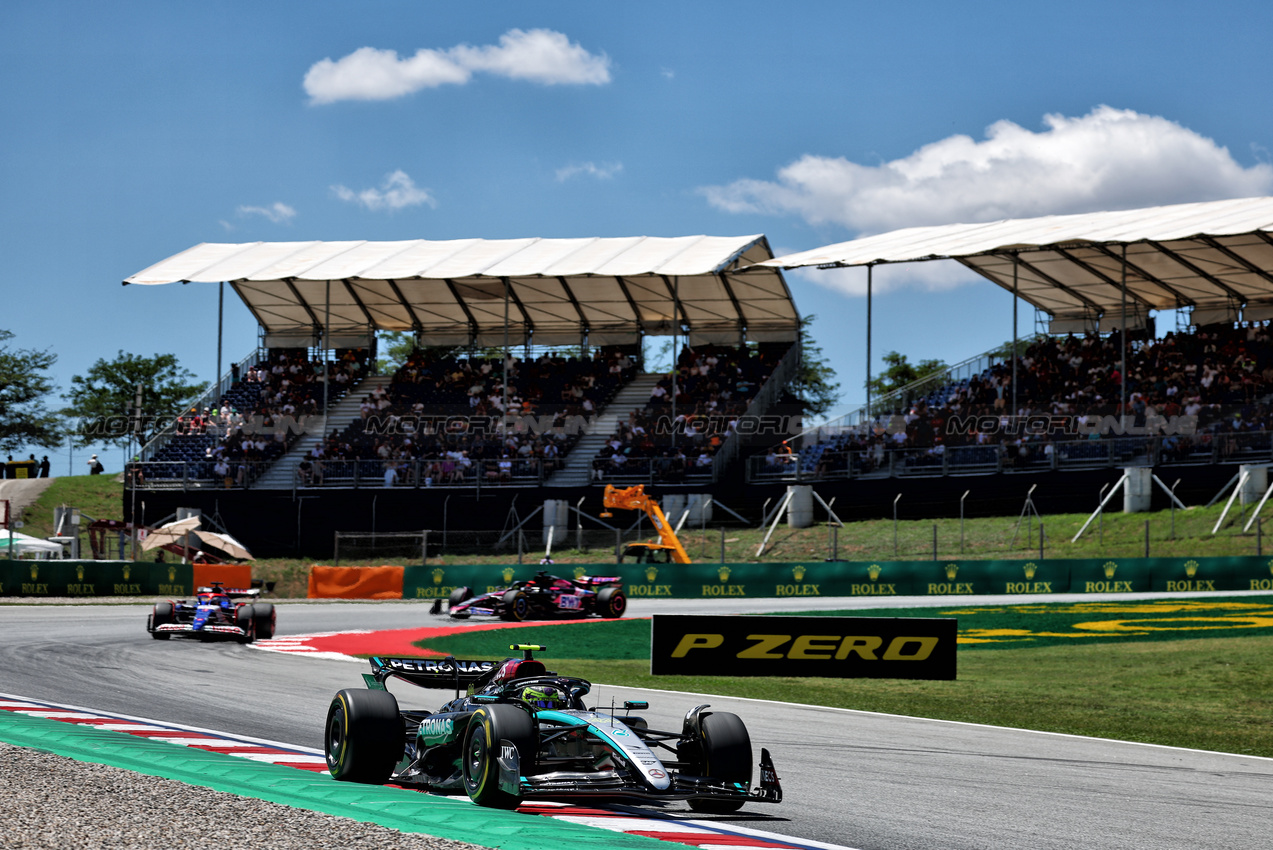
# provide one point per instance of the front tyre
(264, 616)
(364, 736)
(611, 603)
(161, 615)
(460, 594)
(515, 607)
(245, 619)
(726, 754)
(489, 725)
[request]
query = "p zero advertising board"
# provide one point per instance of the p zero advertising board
(823, 647)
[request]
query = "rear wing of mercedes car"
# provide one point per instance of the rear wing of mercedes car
(446, 672)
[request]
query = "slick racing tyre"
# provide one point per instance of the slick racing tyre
(364, 736)
(726, 755)
(161, 615)
(516, 606)
(489, 725)
(460, 594)
(611, 603)
(244, 619)
(264, 617)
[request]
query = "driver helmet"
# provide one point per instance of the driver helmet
(545, 696)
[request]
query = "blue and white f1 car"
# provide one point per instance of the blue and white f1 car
(523, 732)
(216, 612)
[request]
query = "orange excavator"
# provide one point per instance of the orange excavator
(668, 550)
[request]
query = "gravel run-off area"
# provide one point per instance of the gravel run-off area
(48, 801)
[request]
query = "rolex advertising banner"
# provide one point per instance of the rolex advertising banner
(823, 647)
(946, 578)
(94, 578)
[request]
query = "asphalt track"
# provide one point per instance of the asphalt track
(850, 778)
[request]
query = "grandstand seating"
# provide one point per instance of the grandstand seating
(1192, 397)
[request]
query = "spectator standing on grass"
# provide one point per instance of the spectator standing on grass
(94, 466)
(44, 467)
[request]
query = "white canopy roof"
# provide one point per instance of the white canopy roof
(1214, 257)
(453, 292)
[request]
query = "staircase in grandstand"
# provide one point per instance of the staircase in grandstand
(577, 470)
(282, 475)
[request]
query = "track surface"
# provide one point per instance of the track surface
(856, 779)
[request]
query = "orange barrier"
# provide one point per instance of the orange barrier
(230, 575)
(355, 582)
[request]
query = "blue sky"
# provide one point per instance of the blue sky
(134, 130)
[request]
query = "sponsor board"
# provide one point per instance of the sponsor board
(56, 578)
(823, 647)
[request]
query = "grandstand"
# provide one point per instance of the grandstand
(455, 437)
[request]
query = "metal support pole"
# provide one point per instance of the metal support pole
(1040, 541)
(216, 377)
(961, 520)
(1122, 338)
(895, 501)
(1146, 538)
(322, 352)
(1014, 335)
(869, 269)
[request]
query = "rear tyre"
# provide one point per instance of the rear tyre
(364, 739)
(264, 617)
(244, 618)
(726, 754)
(611, 603)
(161, 615)
(460, 594)
(516, 606)
(489, 725)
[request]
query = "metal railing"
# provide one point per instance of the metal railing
(881, 461)
(210, 398)
(206, 474)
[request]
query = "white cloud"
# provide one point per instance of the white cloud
(277, 212)
(1107, 159)
(604, 171)
(539, 56)
(398, 191)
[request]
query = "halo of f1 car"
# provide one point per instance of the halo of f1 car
(544, 597)
(216, 612)
(523, 732)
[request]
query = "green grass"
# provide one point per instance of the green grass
(1212, 693)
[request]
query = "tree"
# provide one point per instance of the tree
(397, 345)
(24, 421)
(102, 400)
(815, 383)
(901, 372)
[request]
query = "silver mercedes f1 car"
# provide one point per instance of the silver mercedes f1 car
(520, 731)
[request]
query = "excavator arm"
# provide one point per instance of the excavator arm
(634, 499)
